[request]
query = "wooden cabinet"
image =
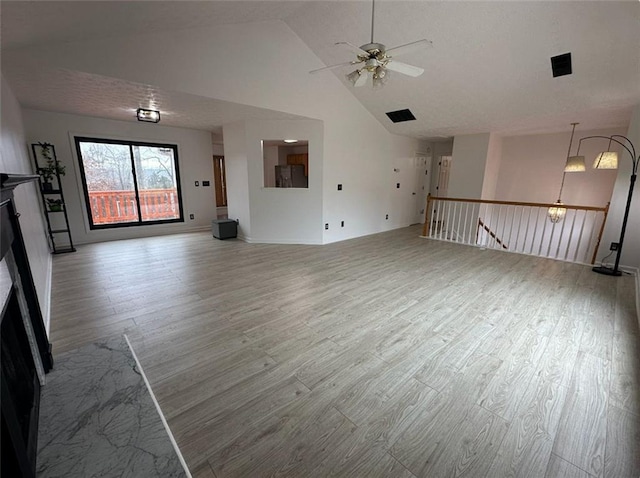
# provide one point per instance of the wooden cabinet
(300, 159)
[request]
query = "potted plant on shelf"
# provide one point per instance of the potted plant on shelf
(55, 205)
(51, 168)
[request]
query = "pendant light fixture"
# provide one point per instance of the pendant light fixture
(574, 164)
(557, 213)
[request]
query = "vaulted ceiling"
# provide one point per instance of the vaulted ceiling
(488, 70)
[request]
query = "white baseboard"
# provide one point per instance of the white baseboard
(637, 274)
(253, 240)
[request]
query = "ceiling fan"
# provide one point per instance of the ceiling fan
(374, 60)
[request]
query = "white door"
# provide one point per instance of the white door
(444, 168)
(422, 176)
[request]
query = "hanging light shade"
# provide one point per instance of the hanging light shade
(606, 160)
(575, 164)
(557, 213)
(380, 77)
(357, 77)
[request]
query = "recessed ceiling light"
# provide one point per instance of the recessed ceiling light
(290, 140)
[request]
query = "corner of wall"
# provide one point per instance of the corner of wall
(46, 313)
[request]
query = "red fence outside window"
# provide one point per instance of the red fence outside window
(109, 207)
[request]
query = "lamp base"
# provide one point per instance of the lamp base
(606, 271)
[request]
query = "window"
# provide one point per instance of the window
(129, 183)
(286, 163)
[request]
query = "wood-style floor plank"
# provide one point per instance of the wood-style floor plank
(561, 468)
(582, 432)
(623, 458)
(526, 448)
(382, 356)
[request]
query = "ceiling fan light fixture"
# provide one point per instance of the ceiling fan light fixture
(375, 61)
(378, 82)
(354, 76)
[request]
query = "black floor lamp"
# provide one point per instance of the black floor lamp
(609, 160)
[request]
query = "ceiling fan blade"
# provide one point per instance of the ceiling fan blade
(362, 79)
(352, 48)
(409, 47)
(404, 68)
(335, 66)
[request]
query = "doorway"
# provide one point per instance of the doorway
(444, 168)
(220, 181)
(421, 187)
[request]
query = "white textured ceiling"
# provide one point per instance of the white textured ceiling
(488, 70)
(80, 93)
(28, 23)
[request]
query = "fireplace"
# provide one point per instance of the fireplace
(25, 350)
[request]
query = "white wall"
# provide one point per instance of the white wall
(492, 167)
(468, 165)
(357, 151)
(15, 158)
(270, 155)
(631, 247)
(532, 166)
(237, 173)
(291, 215)
(195, 164)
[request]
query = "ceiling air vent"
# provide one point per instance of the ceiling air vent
(400, 116)
(561, 65)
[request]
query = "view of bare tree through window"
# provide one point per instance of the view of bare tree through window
(127, 182)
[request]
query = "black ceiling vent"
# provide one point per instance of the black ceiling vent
(400, 116)
(561, 65)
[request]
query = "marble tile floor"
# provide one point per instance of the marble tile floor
(97, 418)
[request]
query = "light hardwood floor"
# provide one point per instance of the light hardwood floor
(388, 355)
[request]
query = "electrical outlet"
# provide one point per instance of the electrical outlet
(197, 183)
(326, 226)
(192, 216)
(614, 246)
(341, 223)
(206, 183)
(339, 187)
(387, 216)
(397, 185)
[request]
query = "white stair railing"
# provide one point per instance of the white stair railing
(521, 227)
